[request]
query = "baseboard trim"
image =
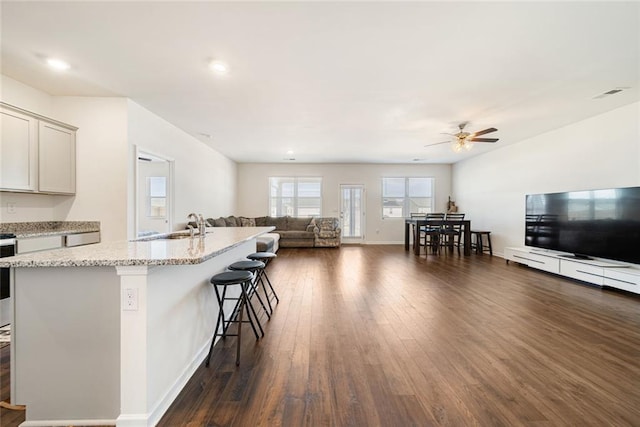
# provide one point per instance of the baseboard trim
(67, 423)
(133, 420)
(383, 242)
(172, 393)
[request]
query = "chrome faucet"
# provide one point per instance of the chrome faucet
(192, 217)
(202, 226)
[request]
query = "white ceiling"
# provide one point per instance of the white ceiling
(366, 82)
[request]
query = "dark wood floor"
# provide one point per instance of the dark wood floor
(375, 336)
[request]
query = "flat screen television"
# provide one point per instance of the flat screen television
(593, 223)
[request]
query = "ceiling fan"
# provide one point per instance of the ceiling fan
(463, 140)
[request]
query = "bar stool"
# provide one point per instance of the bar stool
(225, 280)
(479, 245)
(253, 267)
(266, 258)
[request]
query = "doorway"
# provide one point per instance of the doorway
(352, 213)
(153, 194)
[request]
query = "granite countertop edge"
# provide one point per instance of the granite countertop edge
(57, 258)
(24, 230)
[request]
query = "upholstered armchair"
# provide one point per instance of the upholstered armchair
(327, 232)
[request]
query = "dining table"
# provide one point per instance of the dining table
(423, 222)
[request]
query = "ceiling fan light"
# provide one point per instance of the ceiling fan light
(468, 146)
(457, 146)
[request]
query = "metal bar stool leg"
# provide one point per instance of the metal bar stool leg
(255, 267)
(226, 279)
(247, 286)
(266, 258)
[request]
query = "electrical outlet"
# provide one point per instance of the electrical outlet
(130, 299)
(11, 207)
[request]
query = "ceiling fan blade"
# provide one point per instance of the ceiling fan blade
(484, 132)
(438, 143)
(483, 139)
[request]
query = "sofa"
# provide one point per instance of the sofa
(292, 232)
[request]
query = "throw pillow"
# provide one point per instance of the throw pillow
(326, 224)
(231, 221)
(220, 222)
(312, 226)
(247, 222)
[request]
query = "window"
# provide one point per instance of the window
(157, 206)
(404, 196)
(295, 196)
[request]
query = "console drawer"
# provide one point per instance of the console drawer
(584, 272)
(543, 262)
(621, 279)
(516, 255)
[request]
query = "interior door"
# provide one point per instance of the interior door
(352, 213)
(153, 195)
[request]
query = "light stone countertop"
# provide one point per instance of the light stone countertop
(48, 228)
(149, 251)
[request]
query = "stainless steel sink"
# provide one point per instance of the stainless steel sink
(177, 236)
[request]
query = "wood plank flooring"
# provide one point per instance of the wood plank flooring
(375, 336)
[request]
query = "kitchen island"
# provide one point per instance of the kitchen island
(110, 333)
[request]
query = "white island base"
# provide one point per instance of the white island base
(85, 354)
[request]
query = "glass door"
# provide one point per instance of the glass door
(352, 213)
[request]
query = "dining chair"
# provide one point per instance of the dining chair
(431, 233)
(451, 235)
(414, 230)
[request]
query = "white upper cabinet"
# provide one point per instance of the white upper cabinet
(18, 151)
(57, 154)
(37, 154)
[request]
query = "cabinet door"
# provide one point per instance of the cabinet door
(57, 152)
(18, 151)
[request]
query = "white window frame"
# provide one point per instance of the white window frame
(406, 199)
(295, 180)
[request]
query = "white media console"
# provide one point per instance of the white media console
(595, 271)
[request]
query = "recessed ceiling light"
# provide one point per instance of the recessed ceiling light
(58, 64)
(219, 67)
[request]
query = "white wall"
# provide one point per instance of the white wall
(101, 156)
(101, 163)
(20, 95)
(205, 180)
(253, 185)
(600, 152)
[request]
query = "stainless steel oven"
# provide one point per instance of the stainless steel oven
(7, 248)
